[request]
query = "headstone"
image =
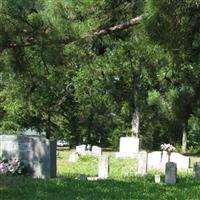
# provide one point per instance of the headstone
(37, 151)
(73, 157)
(129, 147)
(83, 177)
(158, 160)
(142, 163)
(81, 149)
(103, 169)
(157, 178)
(170, 173)
(88, 147)
(96, 150)
(197, 170)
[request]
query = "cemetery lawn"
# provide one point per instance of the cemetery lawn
(122, 183)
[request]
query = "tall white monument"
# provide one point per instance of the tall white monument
(129, 147)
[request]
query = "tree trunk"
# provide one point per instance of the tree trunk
(48, 133)
(90, 123)
(136, 115)
(184, 139)
(135, 122)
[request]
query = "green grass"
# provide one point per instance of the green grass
(89, 165)
(122, 183)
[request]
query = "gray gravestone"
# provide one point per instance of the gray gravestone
(103, 171)
(197, 170)
(170, 173)
(142, 163)
(82, 177)
(37, 151)
(97, 151)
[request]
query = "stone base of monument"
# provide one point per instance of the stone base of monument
(124, 155)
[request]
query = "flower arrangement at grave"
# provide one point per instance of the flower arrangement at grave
(12, 166)
(168, 148)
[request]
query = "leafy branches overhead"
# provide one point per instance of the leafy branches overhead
(76, 69)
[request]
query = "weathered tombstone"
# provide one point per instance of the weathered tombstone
(73, 157)
(97, 151)
(158, 160)
(81, 149)
(197, 170)
(170, 172)
(129, 147)
(142, 163)
(37, 151)
(103, 169)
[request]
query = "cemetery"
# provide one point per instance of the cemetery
(99, 99)
(94, 168)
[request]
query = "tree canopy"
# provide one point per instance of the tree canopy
(92, 71)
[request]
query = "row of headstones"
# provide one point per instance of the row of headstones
(85, 150)
(170, 169)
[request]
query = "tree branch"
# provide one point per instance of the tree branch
(100, 33)
(118, 27)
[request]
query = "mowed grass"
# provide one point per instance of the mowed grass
(122, 184)
(89, 165)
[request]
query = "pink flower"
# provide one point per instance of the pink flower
(14, 162)
(3, 168)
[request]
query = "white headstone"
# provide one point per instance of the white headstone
(73, 157)
(103, 171)
(97, 151)
(142, 163)
(129, 147)
(81, 149)
(158, 159)
(157, 178)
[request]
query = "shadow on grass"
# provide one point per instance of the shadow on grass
(22, 188)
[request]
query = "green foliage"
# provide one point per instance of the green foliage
(57, 77)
